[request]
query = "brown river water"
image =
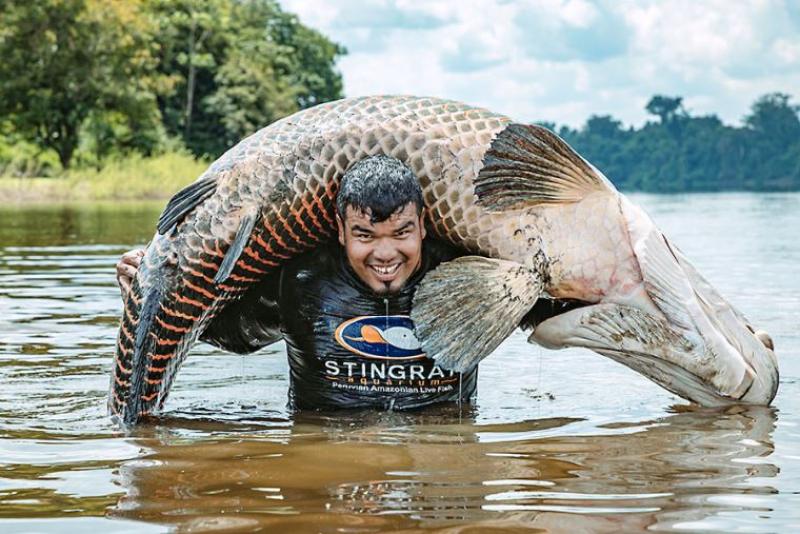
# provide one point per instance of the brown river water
(558, 441)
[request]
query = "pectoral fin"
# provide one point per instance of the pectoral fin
(466, 307)
(235, 250)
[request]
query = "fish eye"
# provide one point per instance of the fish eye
(765, 339)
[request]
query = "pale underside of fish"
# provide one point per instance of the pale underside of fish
(537, 219)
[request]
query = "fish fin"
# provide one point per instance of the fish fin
(243, 234)
(711, 296)
(370, 334)
(185, 201)
(527, 165)
(144, 341)
(465, 308)
(665, 280)
(663, 277)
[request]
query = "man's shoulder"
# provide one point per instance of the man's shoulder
(436, 251)
(322, 259)
(310, 274)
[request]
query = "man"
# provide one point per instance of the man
(343, 309)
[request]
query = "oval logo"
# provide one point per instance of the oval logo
(383, 337)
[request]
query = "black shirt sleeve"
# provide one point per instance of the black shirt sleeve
(250, 323)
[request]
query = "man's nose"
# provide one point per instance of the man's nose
(384, 250)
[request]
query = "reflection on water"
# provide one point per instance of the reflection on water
(557, 441)
(397, 470)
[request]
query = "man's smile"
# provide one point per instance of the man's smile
(385, 272)
(383, 254)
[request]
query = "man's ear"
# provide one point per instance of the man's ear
(340, 225)
(422, 223)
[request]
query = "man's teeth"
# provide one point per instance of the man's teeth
(386, 270)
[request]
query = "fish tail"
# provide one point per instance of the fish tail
(171, 302)
(122, 372)
(159, 325)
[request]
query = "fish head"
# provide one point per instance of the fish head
(669, 324)
(646, 306)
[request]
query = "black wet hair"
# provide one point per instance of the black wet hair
(380, 186)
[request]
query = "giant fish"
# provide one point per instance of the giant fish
(534, 218)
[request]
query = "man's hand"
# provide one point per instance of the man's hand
(127, 266)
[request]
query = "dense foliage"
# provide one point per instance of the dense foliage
(88, 78)
(82, 81)
(74, 64)
(679, 152)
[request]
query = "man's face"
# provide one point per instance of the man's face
(384, 255)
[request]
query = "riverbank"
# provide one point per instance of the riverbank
(133, 178)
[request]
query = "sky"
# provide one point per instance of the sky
(565, 60)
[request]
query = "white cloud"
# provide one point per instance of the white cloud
(563, 60)
(578, 13)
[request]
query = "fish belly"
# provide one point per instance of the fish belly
(589, 250)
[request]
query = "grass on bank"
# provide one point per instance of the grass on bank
(132, 178)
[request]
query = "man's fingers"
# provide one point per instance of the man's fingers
(127, 266)
(124, 285)
(126, 271)
(137, 257)
(132, 257)
(125, 274)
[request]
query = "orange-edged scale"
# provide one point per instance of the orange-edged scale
(538, 217)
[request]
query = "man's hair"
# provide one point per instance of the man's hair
(380, 186)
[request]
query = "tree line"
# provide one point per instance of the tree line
(90, 78)
(680, 152)
(82, 81)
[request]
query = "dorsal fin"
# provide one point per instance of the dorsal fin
(528, 165)
(184, 201)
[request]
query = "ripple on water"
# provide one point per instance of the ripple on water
(562, 441)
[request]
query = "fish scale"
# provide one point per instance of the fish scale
(547, 222)
(290, 172)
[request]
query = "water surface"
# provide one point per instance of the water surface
(560, 441)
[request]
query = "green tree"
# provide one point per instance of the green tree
(307, 61)
(190, 38)
(772, 137)
(64, 60)
(666, 108)
(685, 153)
(233, 67)
(249, 93)
(773, 116)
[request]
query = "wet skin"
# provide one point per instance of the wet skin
(384, 254)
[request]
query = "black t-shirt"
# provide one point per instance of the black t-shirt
(349, 347)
